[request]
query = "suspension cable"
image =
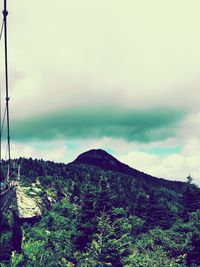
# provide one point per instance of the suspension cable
(3, 122)
(5, 13)
(1, 32)
(1, 130)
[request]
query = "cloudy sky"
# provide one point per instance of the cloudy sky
(123, 76)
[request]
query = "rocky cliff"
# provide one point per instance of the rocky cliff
(28, 203)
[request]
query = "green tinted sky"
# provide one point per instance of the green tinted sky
(131, 125)
(69, 61)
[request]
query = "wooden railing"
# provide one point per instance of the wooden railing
(6, 197)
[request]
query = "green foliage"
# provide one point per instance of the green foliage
(6, 235)
(87, 224)
(191, 200)
(50, 240)
(156, 258)
(107, 247)
(96, 217)
(6, 240)
(105, 197)
(158, 213)
(16, 259)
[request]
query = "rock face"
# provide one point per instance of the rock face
(27, 203)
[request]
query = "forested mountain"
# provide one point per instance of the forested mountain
(98, 211)
(102, 159)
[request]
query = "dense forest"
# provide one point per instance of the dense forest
(100, 212)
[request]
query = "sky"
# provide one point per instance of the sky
(123, 76)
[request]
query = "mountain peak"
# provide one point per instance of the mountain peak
(102, 159)
(98, 157)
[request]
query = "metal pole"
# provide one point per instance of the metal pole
(18, 173)
(5, 13)
(1, 126)
(0, 138)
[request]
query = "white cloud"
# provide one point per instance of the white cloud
(127, 54)
(55, 151)
(190, 126)
(123, 53)
(174, 166)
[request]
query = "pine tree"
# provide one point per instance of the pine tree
(158, 214)
(191, 200)
(141, 205)
(104, 198)
(87, 223)
(108, 248)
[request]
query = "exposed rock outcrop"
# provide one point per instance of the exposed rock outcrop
(28, 203)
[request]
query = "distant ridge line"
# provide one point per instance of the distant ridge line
(101, 158)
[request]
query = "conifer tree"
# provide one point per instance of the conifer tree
(107, 249)
(158, 214)
(141, 205)
(87, 223)
(104, 198)
(191, 199)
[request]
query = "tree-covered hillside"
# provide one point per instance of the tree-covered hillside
(98, 212)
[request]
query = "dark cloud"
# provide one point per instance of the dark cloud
(134, 125)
